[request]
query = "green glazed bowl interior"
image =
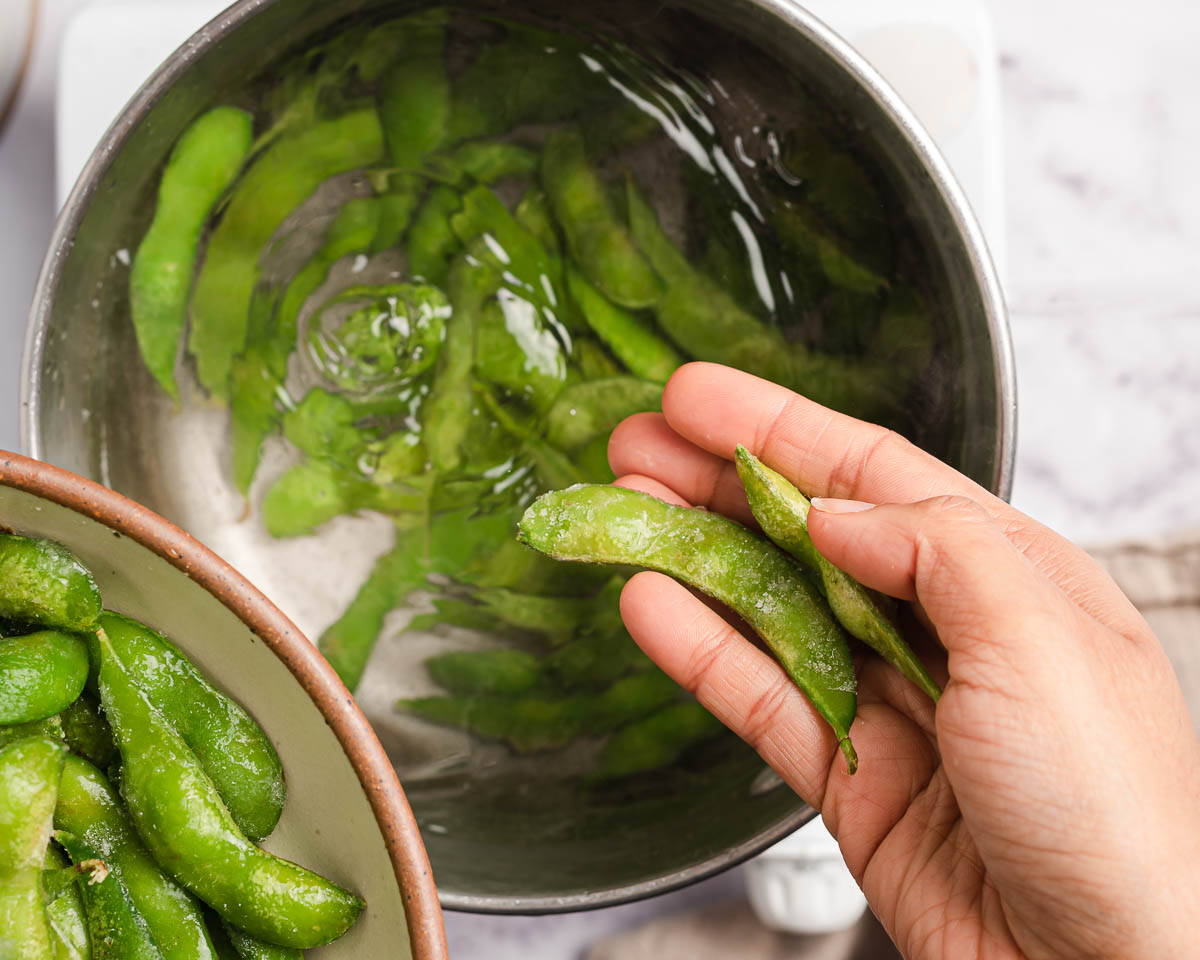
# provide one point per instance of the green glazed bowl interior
(513, 841)
(345, 815)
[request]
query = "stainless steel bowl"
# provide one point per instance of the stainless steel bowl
(90, 406)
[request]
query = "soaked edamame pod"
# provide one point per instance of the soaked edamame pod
(29, 772)
(201, 167)
(41, 674)
(645, 353)
(657, 741)
(86, 731)
(281, 178)
(89, 809)
(782, 512)
(117, 929)
(43, 583)
(231, 747)
(65, 913)
(480, 672)
(432, 243)
(516, 350)
(718, 557)
(599, 243)
(584, 411)
(181, 818)
(414, 98)
(480, 161)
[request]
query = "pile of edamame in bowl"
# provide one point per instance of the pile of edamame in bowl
(409, 282)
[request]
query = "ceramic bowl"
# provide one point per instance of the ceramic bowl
(346, 814)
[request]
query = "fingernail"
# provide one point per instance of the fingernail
(832, 505)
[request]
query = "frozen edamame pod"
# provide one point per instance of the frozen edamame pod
(180, 817)
(89, 810)
(118, 931)
(29, 772)
(584, 411)
(41, 674)
(232, 748)
(645, 353)
(597, 240)
(782, 511)
(657, 741)
(763, 585)
(281, 178)
(202, 164)
(43, 583)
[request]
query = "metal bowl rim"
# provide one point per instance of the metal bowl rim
(799, 20)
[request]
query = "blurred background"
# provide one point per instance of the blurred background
(1073, 131)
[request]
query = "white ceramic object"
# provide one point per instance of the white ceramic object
(801, 885)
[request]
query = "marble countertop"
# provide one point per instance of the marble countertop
(1103, 211)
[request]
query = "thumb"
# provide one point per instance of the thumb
(978, 590)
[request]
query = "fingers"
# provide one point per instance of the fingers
(743, 687)
(829, 454)
(824, 453)
(644, 444)
(990, 604)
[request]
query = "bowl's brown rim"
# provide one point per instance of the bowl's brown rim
(375, 772)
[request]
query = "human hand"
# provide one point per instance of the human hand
(1046, 808)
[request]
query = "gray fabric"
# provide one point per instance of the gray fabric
(1161, 577)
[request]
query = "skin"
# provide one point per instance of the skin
(180, 817)
(43, 583)
(203, 164)
(1045, 807)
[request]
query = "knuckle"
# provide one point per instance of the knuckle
(763, 714)
(877, 445)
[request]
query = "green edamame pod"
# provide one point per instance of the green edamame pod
(645, 353)
(533, 213)
(86, 731)
(657, 741)
(584, 411)
(515, 350)
(279, 180)
(89, 810)
(116, 928)
(782, 511)
(251, 948)
(183, 822)
(259, 373)
(448, 407)
(201, 167)
(480, 161)
(43, 583)
(29, 772)
(603, 524)
(50, 728)
(322, 425)
(554, 468)
(41, 674)
(495, 671)
(64, 910)
(597, 240)
(310, 494)
(231, 747)
(396, 208)
(432, 242)
(414, 98)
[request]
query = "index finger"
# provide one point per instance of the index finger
(825, 453)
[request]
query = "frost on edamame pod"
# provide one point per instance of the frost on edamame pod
(782, 511)
(720, 558)
(232, 748)
(203, 163)
(89, 809)
(29, 772)
(181, 818)
(41, 674)
(43, 583)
